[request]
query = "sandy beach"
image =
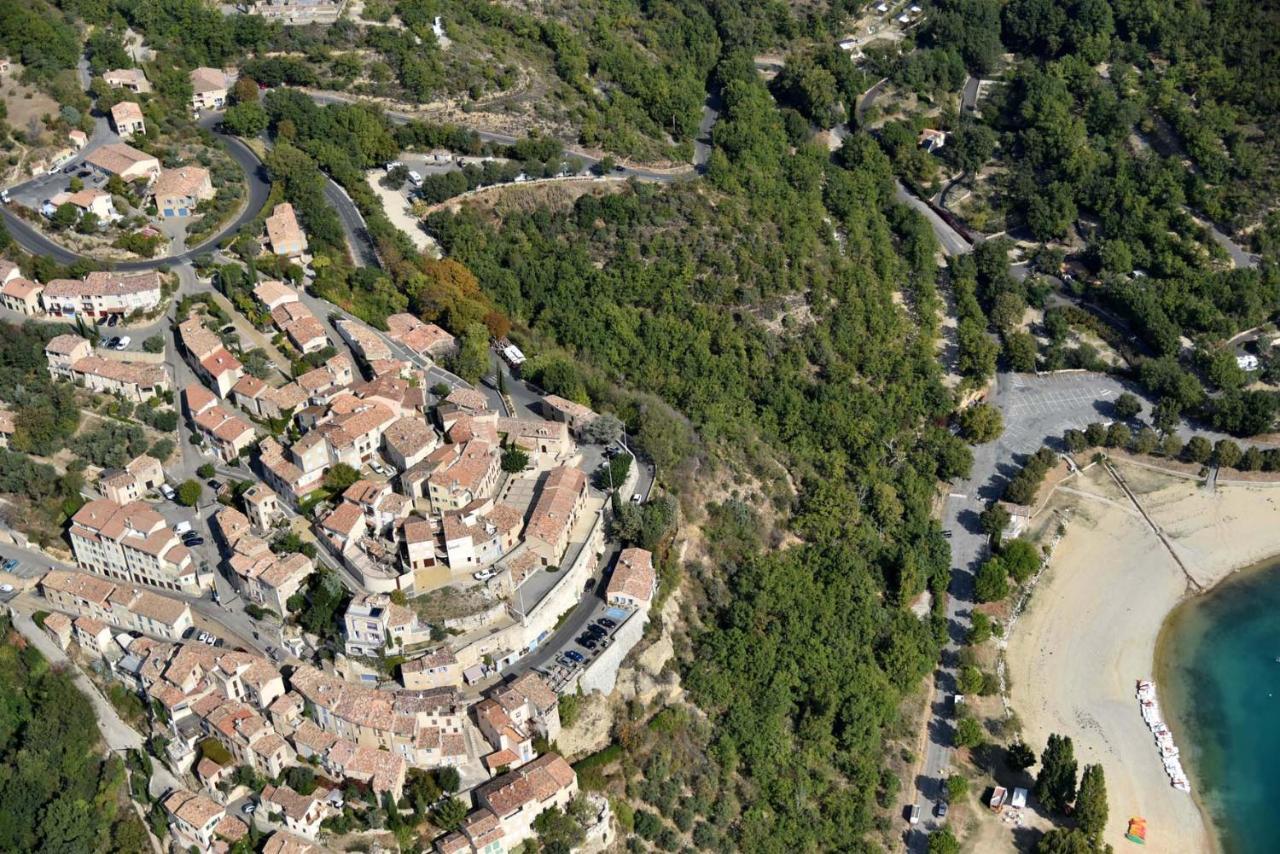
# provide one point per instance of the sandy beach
(1090, 629)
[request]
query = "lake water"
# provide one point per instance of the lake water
(1220, 688)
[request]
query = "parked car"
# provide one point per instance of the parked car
(168, 491)
(575, 656)
(248, 809)
(606, 622)
(483, 575)
(123, 342)
(587, 642)
(113, 342)
(215, 484)
(637, 498)
(193, 542)
(182, 528)
(597, 631)
(415, 178)
(191, 630)
(589, 586)
(10, 565)
(113, 319)
(940, 809)
(4, 196)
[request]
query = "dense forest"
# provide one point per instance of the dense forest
(800, 656)
(60, 795)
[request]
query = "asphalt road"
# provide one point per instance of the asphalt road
(951, 241)
(1036, 409)
(588, 160)
(257, 186)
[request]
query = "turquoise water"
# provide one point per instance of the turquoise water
(1220, 685)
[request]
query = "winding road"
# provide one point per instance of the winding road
(257, 186)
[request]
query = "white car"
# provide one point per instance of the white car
(182, 527)
(637, 498)
(483, 575)
(393, 164)
(415, 178)
(124, 342)
(167, 491)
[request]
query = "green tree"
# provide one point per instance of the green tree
(248, 119)
(1226, 453)
(472, 359)
(339, 477)
(64, 216)
(1145, 441)
(1127, 406)
(1020, 351)
(449, 814)
(1095, 434)
(1055, 786)
(154, 344)
(206, 470)
(448, 779)
(1019, 756)
(943, 841)
(969, 680)
(968, 733)
(1197, 450)
(1020, 558)
(994, 519)
(981, 423)
(189, 493)
(603, 430)
(1062, 841)
(957, 788)
(1118, 435)
(980, 629)
(992, 581)
(1075, 441)
(514, 460)
(1091, 804)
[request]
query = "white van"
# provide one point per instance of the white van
(182, 528)
(415, 178)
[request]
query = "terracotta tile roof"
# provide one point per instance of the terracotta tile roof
(369, 343)
(59, 623)
(126, 111)
(530, 688)
(283, 842)
(409, 436)
(20, 288)
(183, 181)
(64, 345)
(122, 76)
(442, 657)
(221, 362)
(137, 373)
(418, 336)
(230, 828)
(309, 735)
(473, 462)
(197, 338)
(553, 512)
(344, 519)
(468, 398)
(205, 79)
(117, 157)
(291, 803)
(196, 810)
(270, 291)
(198, 398)
(250, 387)
(283, 228)
(633, 574)
(535, 782)
(104, 283)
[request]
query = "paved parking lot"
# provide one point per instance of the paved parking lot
(1040, 407)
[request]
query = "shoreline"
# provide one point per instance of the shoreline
(1163, 667)
(1100, 620)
